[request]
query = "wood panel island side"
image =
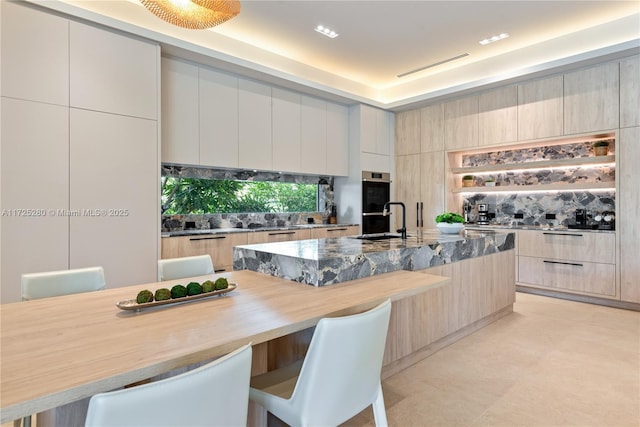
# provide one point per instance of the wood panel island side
(480, 264)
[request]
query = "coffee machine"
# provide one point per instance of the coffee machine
(483, 213)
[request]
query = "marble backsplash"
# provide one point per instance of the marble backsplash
(248, 220)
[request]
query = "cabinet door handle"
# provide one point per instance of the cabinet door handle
(219, 270)
(336, 229)
(563, 234)
(208, 238)
(284, 232)
(421, 214)
(564, 263)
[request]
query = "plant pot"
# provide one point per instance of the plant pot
(448, 228)
(601, 151)
(467, 183)
(490, 184)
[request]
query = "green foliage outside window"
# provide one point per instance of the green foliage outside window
(203, 196)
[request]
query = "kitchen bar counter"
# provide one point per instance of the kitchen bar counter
(321, 262)
(198, 232)
(83, 344)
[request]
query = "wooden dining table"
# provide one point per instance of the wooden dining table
(59, 350)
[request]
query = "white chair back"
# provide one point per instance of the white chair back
(179, 268)
(216, 394)
(63, 282)
(340, 375)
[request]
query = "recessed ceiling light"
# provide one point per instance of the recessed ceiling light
(494, 39)
(326, 31)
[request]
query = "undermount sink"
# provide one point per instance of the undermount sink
(380, 236)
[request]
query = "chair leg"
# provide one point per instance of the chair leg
(379, 413)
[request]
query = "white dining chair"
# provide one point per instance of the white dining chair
(215, 394)
(62, 282)
(179, 268)
(338, 378)
(56, 283)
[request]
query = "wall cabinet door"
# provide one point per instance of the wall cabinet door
(112, 73)
(432, 185)
(498, 116)
(35, 55)
(540, 108)
(375, 130)
(254, 125)
(337, 140)
(35, 191)
(218, 123)
(180, 136)
(628, 208)
(313, 141)
(630, 92)
(407, 133)
(461, 123)
(286, 131)
(591, 99)
(432, 128)
(114, 188)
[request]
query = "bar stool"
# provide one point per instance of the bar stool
(179, 268)
(338, 378)
(215, 394)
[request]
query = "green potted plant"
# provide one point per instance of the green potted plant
(450, 222)
(467, 181)
(601, 148)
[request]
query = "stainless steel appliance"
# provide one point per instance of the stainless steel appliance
(483, 213)
(376, 191)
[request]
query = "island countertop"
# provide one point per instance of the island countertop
(322, 262)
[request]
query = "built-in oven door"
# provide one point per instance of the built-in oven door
(376, 191)
(374, 223)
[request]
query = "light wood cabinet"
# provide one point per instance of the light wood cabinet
(327, 232)
(498, 116)
(630, 92)
(34, 176)
(461, 123)
(254, 125)
(569, 245)
(591, 99)
(407, 189)
(432, 185)
(218, 119)
(627, 222)
(115, 195)
(180, 133)
(277, 236)
(112, 73)
(286, 130)
(337, 140)
(219, 246)
(540, 108)
(313, 140)
(432, 128)
(407, 133)
(35, 55)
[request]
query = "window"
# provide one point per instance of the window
(182, 196)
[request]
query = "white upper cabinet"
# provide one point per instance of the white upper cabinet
(180, 136)
(540, 108)
(461, 123)
(498, 116)
(218, 122)
(313, 142)
(254, 131)
(630, 92)
(337, 140)
(286, 130)
(35, 55)
(591, 99)
(375, 130)
(112, 73)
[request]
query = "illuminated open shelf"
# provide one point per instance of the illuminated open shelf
(579, 186)
(543, 164)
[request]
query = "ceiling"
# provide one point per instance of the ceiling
(379, 40)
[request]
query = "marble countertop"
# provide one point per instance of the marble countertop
(194, 232)
(322, 262)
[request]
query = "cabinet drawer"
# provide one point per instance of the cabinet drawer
(277, 236)
(219, 246)
(322, 233)
(583, 277)
(568, 245)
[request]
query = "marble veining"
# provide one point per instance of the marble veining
(321, 262)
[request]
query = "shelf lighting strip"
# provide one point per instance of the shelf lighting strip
(590, 166)
(568, 190)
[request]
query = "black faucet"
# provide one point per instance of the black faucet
(385, 212)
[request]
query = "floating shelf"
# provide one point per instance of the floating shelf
(580, 186)
(543, 164)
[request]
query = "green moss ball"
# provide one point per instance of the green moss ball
(144, 296)
(194, 288)
(163, 294)
(208, 286)
(221, 283)
(178, 291)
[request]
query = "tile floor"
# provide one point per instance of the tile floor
(550, 363)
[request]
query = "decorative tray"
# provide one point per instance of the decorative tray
(131, 304)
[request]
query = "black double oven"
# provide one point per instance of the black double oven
(376, 191)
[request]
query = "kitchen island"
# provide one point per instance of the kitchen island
(480, 264)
